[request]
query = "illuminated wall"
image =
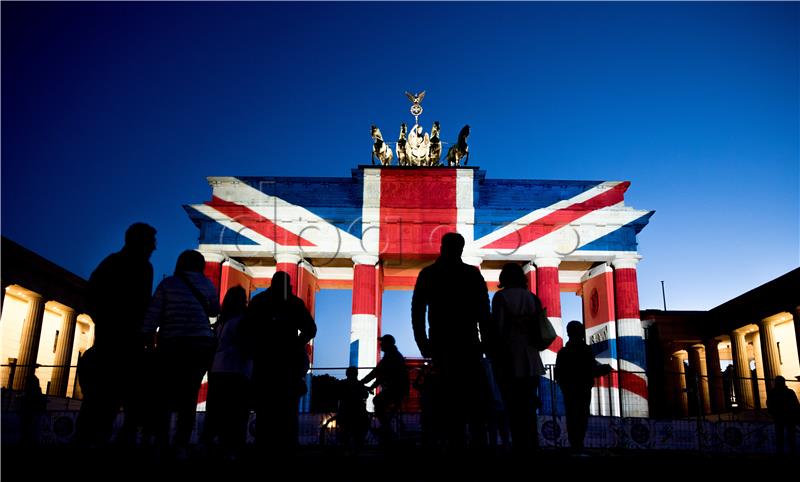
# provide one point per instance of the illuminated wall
(13, 315)
(84, 337)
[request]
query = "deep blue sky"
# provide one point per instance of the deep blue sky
(115, 113)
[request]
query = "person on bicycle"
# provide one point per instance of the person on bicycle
(391, 375)
(352, 418)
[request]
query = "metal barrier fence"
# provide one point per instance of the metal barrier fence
(740, 429)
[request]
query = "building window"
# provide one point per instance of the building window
(55, 341)
(780, 357)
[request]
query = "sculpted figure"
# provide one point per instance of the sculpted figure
(402, 157)
(460, 149)
(380, 149)
(435, 151)
(418, 146)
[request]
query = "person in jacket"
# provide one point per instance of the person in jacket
(455, 299)
(576, 369)
(117, 296)
(785, 410)
(228, 399)
(516, 361)
(185, 346)
(275, 331)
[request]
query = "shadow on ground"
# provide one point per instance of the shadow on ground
(68, 463)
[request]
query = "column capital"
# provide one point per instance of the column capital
(626, 261)
(547, 260)
(291, 258)
(765, 323)
(365, 259)
(742, 331)
(213, 257)
(697, 347)
(34, 297)
(472, 260)
(66, 311)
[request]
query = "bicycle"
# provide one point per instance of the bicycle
(390, 431)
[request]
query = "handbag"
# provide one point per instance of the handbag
(543, 332)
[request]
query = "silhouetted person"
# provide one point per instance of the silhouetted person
(515, 359)
(391, 374)
(32, 407)
(276, 328)
(785, 410)
(496, 417)
(180, 310)
(576, 369)
(118, 293)
(352, 418)
(456, 299)
(430, 420)
(228, 400)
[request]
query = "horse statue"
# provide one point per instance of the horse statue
(380, 149)
(417, 147)
(460, 149)
(402, 157)
(435, 150)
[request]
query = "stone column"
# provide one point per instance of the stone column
(365, 322)
(530, 273)
(769, 351)
(60, 378)
(213, 271)
(549, 292)
(630, 339)
(287, 262)
(29, 340)
(679, 383)
(305, 286)
(599, 319)
(715, 387)
(697, 358)
(796, 321)
(741, 365)
(235, 274)
(759, 401)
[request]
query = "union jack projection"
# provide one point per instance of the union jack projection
(375, 229)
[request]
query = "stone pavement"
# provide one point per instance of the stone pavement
(68, 463)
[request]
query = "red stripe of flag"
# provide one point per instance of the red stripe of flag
(631, 382)
(418, 207)
(557, 344)
(258, 223)
(560, 218)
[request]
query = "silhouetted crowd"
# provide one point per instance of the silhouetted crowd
(152, 350)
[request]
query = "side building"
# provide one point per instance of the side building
(725, 359)
(43, 327)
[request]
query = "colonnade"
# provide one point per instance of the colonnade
(755, 347)
(23, 365)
